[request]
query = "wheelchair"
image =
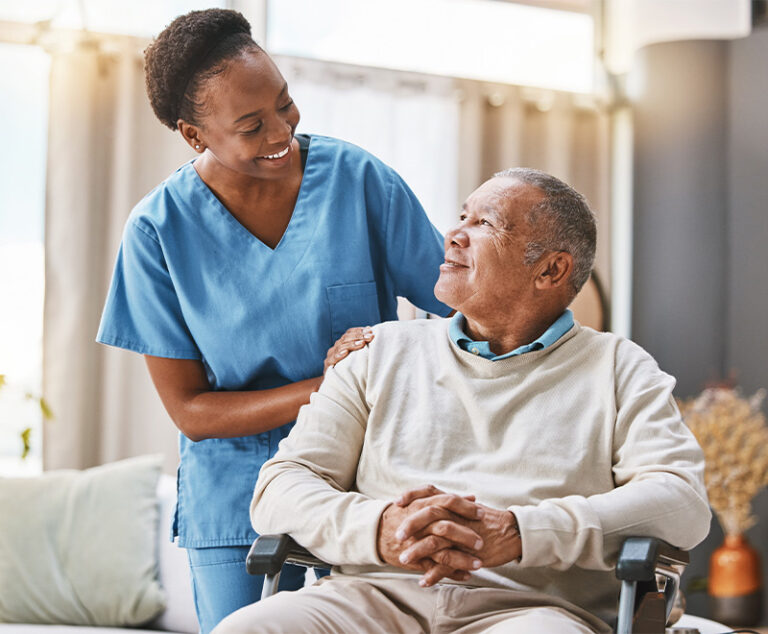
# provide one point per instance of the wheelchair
(649, 570)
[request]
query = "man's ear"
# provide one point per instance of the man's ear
(554, 270)
(191, 134)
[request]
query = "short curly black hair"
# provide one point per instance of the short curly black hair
(190, 50)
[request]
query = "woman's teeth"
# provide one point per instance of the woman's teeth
(278, 155)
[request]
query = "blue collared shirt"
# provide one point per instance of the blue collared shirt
(481, 348)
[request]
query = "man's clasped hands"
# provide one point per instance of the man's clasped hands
(446, 535)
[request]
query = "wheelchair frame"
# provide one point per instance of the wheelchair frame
(645, 604)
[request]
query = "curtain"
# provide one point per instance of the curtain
(446, 136)
(105, 151)
(409, 121)
(563, 134)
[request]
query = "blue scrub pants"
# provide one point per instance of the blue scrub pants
(221, 585)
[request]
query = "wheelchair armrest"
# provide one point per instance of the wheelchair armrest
(640, 556)
(645, 604)
(269, 552)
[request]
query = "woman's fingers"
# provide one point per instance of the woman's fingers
(356, 334)
(355, 338)
(352, 339)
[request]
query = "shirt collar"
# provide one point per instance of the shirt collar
(481, 348)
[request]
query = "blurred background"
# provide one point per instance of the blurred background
(651, 108)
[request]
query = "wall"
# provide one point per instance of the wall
(701, 225)
(746, 353)
(680, 209)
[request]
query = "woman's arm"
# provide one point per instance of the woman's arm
(202, 413)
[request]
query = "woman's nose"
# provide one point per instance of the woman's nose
(279, 131)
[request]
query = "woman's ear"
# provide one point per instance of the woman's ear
(554, 270)
(191, 134)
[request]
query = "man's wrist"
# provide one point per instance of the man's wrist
(380, 538)
(513, 533)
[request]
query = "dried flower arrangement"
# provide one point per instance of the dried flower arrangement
(732, 433)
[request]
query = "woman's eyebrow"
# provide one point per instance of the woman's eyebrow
(256, 113)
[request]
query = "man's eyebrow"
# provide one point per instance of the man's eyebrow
(500, 220)
(494, 213)
(256, 113)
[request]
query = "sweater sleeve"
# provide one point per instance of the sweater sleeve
(658, 473)
(308, 488)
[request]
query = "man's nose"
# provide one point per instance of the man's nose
(456, 236)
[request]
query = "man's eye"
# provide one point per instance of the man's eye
(252, 130)
(287, 106)
(485, 222)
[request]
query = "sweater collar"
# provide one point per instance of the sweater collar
(481, 348)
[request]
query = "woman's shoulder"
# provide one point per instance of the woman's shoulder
(164, 199)
(347, 151)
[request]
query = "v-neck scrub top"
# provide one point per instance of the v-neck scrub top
(191, 282)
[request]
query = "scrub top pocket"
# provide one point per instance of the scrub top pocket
(352, 305)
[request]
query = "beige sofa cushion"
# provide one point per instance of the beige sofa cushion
(79, 547)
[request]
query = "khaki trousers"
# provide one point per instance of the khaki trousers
(365, 605)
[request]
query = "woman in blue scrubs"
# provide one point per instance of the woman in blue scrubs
(238, 273)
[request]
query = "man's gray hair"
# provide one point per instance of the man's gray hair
(562, 221)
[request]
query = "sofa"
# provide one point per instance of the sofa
(170, 568)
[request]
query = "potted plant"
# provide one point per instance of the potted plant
(25, 433)
(732, 433)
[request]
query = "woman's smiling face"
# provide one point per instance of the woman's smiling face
(249, 118)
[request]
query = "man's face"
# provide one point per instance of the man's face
(484, 271)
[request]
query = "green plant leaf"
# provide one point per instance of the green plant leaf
(25, 440)
(45, 409)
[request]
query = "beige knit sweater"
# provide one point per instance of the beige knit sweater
(581, 440)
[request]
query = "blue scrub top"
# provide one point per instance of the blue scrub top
(191, 282)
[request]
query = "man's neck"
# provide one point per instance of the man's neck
(517, 330)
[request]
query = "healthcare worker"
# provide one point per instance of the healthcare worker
(237, 274)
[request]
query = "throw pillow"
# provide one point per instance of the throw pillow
(78, 547)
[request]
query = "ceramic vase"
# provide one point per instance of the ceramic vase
(735, 583)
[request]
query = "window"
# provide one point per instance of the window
(24, 86)
(473, 39)
(138, 17)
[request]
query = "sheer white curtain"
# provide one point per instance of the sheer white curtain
(106, 150)
(411, 122)
(446, 136)
(564, 134)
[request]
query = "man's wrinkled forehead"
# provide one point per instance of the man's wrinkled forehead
(507, 198)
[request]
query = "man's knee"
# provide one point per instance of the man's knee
(279, 614)
(544, 619)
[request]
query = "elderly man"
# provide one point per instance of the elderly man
(544, 444)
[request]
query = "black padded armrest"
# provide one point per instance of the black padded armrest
(269, 552)
(640, 555)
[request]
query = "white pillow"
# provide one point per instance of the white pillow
(79, 547)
